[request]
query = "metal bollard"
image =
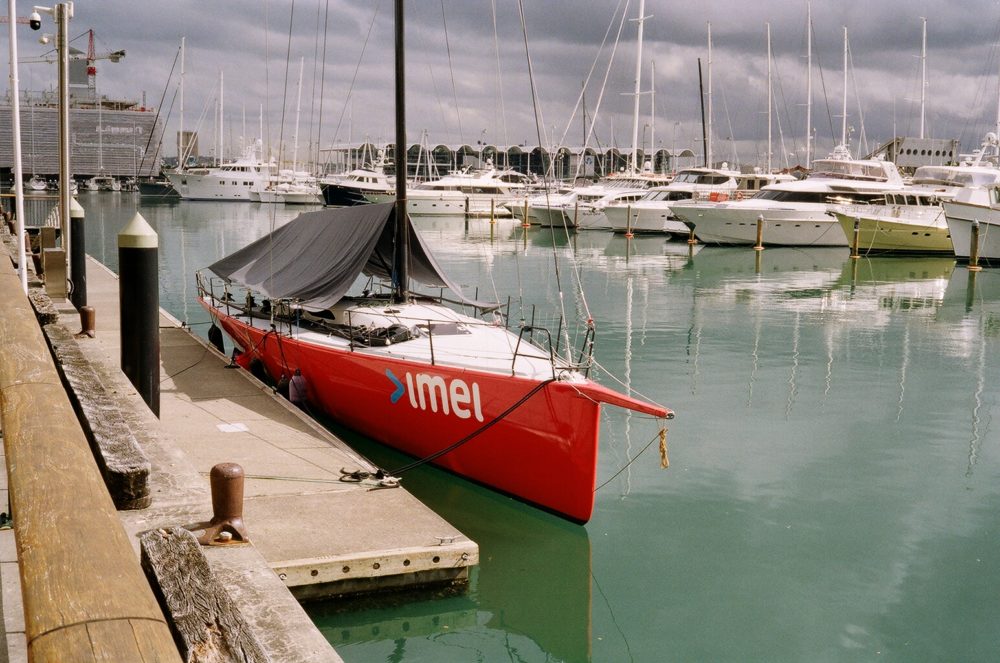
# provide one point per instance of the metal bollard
(78, 256)
(87, 322)
(226, 526)
(759, 246)
(974, 248)
(139, 306)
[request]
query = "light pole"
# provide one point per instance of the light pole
(22, 270)
(673, 149)
(61, 13)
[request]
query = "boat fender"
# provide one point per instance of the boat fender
(258, 370)
(215, 338)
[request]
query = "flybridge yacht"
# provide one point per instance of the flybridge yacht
(913, 220)
(795, 213)
(469, 192)
(230, 181)
(651, 214)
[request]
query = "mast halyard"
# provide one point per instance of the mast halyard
(401, 265)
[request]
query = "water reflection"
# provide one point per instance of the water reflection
(529, 599)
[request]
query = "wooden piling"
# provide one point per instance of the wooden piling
(759, 246)
(974, 265)
(856, 241)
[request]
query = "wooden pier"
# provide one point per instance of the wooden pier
(310, 532)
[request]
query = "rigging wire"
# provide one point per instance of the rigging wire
(451, 69)
(826, 98)
(322, 88)
(503, 112)
(354, 78)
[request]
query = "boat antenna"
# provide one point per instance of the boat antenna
(401, 261)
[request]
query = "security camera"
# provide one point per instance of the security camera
(35, 21)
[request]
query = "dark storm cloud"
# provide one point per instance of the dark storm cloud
(250, 43)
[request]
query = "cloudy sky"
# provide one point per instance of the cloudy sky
(465, 86)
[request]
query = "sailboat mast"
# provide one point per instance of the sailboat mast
(181, 143)
(701, 95)
(809, 85)
(652, 111)
(708, 148)
(401, 258)
(298, 109)
(769, 137)
(843, 124)
(638, 75)
(923, 74)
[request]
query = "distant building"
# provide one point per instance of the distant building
(118, 137)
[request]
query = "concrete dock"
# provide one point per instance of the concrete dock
(311, 533)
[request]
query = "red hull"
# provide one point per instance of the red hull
(544, 452)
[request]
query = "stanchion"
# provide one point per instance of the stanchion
(628, 222)
(524, 222)
(974, 248)
(576, 212)
(139, 309)
(493, 218)
(759, 246)
(857, 239)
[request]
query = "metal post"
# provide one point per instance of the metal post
(78, 257)
(692, 240)
(974, 248)
(22, 267)
(63, 12)
(628, 222)
(524, 222)
(576, 212)
(759, 246)
(857, 239)
(139, 309)
(493, 218)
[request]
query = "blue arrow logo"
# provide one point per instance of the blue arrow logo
(400, 389)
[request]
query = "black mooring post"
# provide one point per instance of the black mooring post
(139, 309)
(78, 256)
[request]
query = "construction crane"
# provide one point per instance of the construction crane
(90, 56)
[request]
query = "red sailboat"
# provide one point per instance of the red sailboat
(471, 395)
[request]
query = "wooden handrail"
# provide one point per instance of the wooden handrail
(85, 595)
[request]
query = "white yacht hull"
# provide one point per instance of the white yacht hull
(960, 217)
(736, 223)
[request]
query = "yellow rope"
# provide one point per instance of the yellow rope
(664, 461)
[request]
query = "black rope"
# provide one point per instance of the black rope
(626, 466)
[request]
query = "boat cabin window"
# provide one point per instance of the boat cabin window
(852, 170)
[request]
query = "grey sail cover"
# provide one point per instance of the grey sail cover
(316, 257)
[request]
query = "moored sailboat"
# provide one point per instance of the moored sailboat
(470, 395)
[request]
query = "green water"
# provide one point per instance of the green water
(833, 491)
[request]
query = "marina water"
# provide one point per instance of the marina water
(834, 483)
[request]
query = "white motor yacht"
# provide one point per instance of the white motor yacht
(795, 213)
(652, 213)
(230, 181)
